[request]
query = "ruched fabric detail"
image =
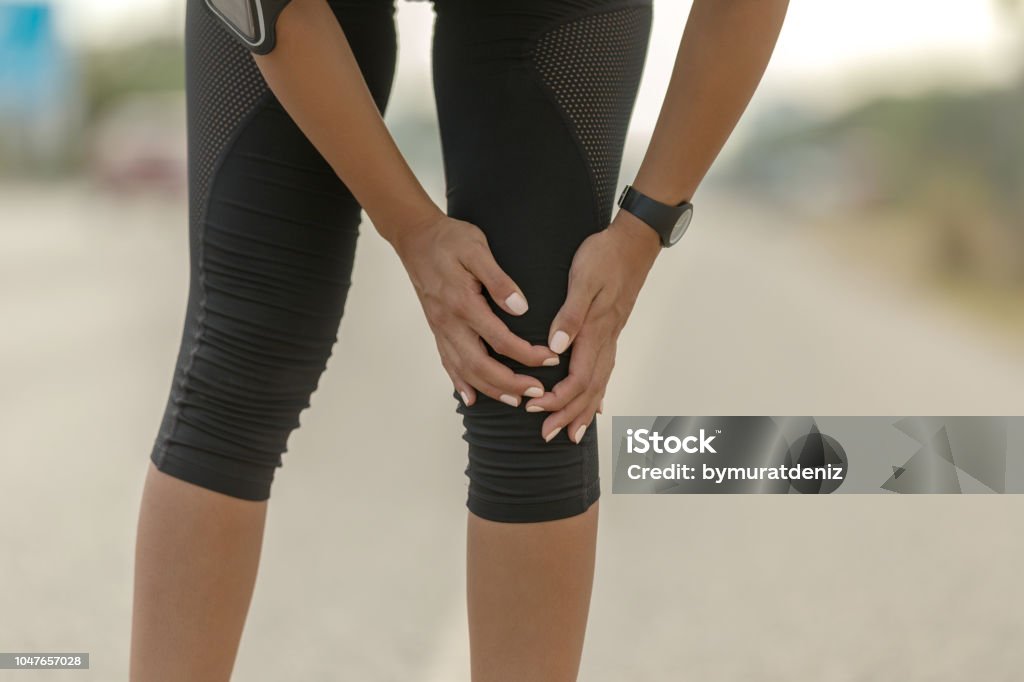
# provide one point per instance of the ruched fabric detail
(533, 101)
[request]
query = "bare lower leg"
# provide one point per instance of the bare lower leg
(528, 589)
(196, 556)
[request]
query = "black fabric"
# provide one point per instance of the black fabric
(533, 101)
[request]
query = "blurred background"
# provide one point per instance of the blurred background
(858, 249)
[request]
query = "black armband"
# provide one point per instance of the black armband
(250, 21)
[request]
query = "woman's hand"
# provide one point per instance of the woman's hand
(450, 264)
(606, 275)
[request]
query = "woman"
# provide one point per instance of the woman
(525, 280)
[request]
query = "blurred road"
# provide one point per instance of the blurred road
(363, 569)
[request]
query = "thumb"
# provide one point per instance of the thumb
(499, 285)
(569, 320)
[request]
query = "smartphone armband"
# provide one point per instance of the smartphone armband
(250, 21)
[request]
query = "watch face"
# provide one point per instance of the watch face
(681, 225)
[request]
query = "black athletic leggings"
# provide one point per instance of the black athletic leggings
(533, 100)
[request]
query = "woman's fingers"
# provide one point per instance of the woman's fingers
(586, 411)
(475, 365)
(582, 368)
(466, 391)
(461, 386)
(570, 317)
(479, 260)
(579, 412)
(496, 333)
(448, 268)
(467, 384)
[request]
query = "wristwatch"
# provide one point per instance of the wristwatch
(670, 222)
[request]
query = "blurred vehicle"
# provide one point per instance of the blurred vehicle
(139, 144)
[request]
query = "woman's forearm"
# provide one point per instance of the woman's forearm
(315, 76)
(722, 55)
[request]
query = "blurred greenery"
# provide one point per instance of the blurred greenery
(930, 183)
(908, 140)
(110, 74)
(948, 161)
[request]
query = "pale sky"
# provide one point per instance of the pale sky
(830, 51)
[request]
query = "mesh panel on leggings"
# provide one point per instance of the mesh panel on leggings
(593, 66)
(225, 84)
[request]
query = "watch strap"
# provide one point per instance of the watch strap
(659, 216)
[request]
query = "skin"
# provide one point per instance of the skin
(528, 584)
(196, 557)
(528, 589)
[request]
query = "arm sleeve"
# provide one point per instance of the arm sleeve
(251, 22)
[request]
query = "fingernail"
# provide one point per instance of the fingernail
(550, 362)
(516, 303)
(465, 398)
(534, 392)
(559, 341)
(534, 408)
(552, 434)
(579, 433)
(509, 399)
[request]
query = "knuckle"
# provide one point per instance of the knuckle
(571, 386)
(584, 280)
(502, 345)
(478, 246)
(474, 364)
(460, 366)
(442, 316)
(458, 305)
(571, 318)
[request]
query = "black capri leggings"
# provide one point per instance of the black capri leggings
(533, 100)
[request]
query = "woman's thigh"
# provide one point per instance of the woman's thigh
(272, 237)
(534, 99)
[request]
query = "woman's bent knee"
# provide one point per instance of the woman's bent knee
(515, 476)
